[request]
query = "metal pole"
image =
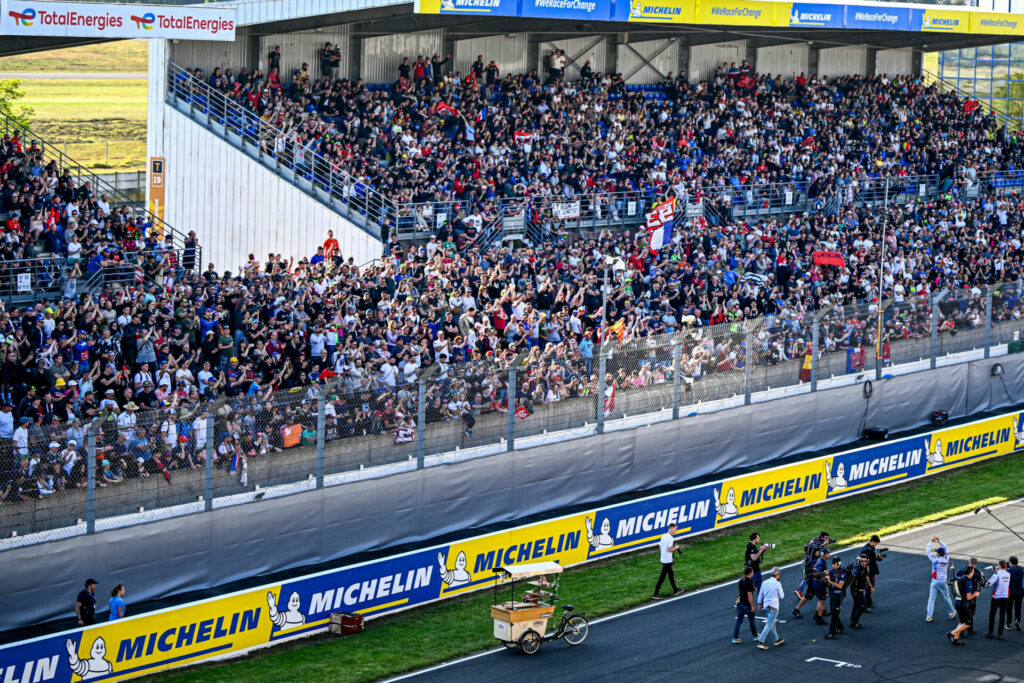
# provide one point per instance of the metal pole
(510, 406)
(815, 333)
(748, 366)
(321, 425)
(601, 387)
(677, 364)
(988, 322)
(421, 420)
(90, 470)
(935, 330)
(208, 486)
(604, 310)
(881, 280)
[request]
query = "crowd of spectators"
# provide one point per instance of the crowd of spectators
(150, 359)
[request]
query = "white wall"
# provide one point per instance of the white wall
(841, 61)
(662, 57)
(382, 54)
(894, 62)
(579, 50)
(704, 59)
(788, 60)
(236, 206)
(297, 48)
(508, 52)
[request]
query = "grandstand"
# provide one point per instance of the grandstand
(433, 242)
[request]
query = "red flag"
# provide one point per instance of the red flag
(448, 109)
(522, 413)
(829, 258)
(522, 136)
(609, 400)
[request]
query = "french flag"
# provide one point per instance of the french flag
(660, 223)
(482, 114)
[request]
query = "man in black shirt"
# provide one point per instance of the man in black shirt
(274, 59)
(752, 557)
(85, 604)
(873, 559)
(836, 591)
(745, 604)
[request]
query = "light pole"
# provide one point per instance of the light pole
(881, 281)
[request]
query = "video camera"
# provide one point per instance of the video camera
(880, 553)
(769, 546)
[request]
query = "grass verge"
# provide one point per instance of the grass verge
(101, 124)
(123, 56)
(439, 632)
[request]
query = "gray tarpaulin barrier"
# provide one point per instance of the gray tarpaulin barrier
(214, 548)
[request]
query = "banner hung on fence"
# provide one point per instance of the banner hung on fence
(116, 22)
(269, 614)
(566, 210)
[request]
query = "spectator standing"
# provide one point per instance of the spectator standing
(667, 548)
(85, 604)
(274, 59)
(330, 58)
(769, 599)
(117, 606)
(940, 570)
(6, 437)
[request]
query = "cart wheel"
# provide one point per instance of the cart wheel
(529, 642)
(576, 629)
(510, 644)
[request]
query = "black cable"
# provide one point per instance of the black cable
(867, 391)
(992, 514)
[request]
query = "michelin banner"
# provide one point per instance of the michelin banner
(263, 616)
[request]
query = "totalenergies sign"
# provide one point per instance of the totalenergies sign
(112, 21)
(262, 616)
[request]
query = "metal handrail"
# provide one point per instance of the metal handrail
(51, 152)
(31, 277)
(986, 104)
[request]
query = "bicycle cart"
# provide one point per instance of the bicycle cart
(523, 623)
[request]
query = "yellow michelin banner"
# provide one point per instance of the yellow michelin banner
(752, 13)
(262, 616)
(995, 23)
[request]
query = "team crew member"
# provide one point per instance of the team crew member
(769, 598)
(874, 557)
(966, 591)
(999, 582)
(860, 587)
(752, 557)
(817, 588)
(1016, 593)
(979, 580)
(745, 604)
(940, 570)
(668, 547)
(85, 604)
(812, 551)
(836, 590)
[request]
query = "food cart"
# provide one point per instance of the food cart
(523, 623)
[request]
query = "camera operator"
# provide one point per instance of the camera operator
(874, 555)
(966, 591)
(668, 547)
(812, 551)
(752, 557)
(836, 591)
(1016, 593)
(860, 588)
(979, 580)
(817, 588)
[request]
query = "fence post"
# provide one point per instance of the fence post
(421, 420)
(935, 331)
(321, 425)
(208, 477)
(988, 322)
(677, 364)
(90, 472)
(814, 353)
(602, 365)
(510, 407)
(748, 365)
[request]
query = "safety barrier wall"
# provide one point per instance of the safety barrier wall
(272, 613)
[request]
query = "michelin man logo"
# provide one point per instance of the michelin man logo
(454, 577)
(601, 540)
(448, 4)
(94, 667)
(1018, 432)
(290, 619)
(838, 482)
(794, 17)
(636, 9)
(728, 508)
(935, 457)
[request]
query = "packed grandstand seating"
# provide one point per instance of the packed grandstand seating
(145, 356)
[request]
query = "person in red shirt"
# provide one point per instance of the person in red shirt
(330, 245)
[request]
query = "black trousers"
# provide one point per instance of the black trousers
(834, 604)
(1013, 610)
(997, 605)
(859, 605)
(867, 594)
(666, 570)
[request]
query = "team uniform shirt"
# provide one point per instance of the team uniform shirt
(940, 563)
(1000, 584)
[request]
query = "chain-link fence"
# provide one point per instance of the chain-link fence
(117, 467)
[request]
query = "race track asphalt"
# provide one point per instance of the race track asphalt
(690, 636)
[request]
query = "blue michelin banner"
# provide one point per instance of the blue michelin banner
(878, 17)
(816, 15)
(592, 10)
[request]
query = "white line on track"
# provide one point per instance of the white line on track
(661, 603)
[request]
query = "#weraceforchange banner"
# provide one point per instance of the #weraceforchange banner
(198, 631)
(94, 20)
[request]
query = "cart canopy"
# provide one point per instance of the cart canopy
(525, 571)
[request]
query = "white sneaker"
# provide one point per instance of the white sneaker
(952, 615)
(927, 618)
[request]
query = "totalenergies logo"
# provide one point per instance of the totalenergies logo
(145, 21)
(24, 18)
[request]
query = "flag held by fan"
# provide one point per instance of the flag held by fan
(829, 258)
(660, 222)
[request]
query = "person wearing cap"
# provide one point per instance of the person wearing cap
(85, 604)
(836, 579)
(817, 587)
(20, 438)
(940, 570)
(127, 420)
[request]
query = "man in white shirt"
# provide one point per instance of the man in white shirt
(668, 547)
(127, 420)
(1000, 584)
(769, 599)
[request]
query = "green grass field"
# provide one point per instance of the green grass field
(117, 57)
(433, 634)
(86, 115)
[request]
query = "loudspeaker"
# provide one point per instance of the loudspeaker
(940, 418)
(876, 434)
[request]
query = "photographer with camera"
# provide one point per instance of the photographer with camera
(812, 551)
(752, 557)
(874, 555)
(817, 588)
(836, 579)
(668, 547)
(860, 587)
